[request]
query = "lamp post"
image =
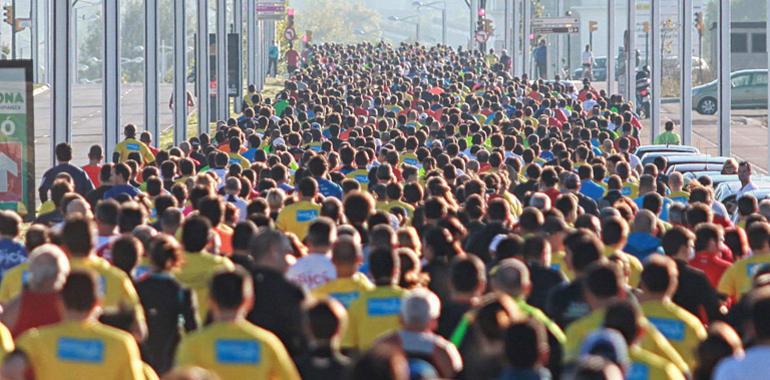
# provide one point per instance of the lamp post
(432, 5)
(407, 21)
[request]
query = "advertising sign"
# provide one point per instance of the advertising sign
(17, 150)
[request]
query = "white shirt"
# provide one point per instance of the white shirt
(745, 189)
(753, 365)
(241, 205)
(312, 271)
(588, 104)
(587, 57)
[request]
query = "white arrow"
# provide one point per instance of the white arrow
(7, 166)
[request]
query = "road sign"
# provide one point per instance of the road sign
(271, 10)
(17, 165)
(290, 34)
(552, 25)
(482, 36)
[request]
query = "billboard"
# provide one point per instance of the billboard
(17, 150)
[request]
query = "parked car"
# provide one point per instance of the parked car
(693, 163)
(644, 150)
(749, 91)
(599, 70)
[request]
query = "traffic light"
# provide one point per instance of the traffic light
(646, 26)
(593, 26)
(699, 22)
(488, 25)
(8, 16)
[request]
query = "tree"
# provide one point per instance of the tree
(341, 21)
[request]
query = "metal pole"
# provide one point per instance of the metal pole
(687, 72)
(506, 26)
(559, 39)
(526, 13)
(443, 25)
(62, 80)
(657, 71)
(223, 111)
(111, 84)
(258, 58)
(610, 46)
(238, 16)
(631, 53)
(202, 67)
(474, 17)
(13, 31)
(180, 79)
(35, 31)
(417, 31)
(767, 41)
(251, 39)
(48, 38)
(725, 79)
(151, 85)
(515, 57)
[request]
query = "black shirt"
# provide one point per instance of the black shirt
(97, 194)
(566, 303)
(278, 308)
(451, 313)
(322, 363)
(164, 301)
(543, 280)
(82, 181)
(478, 243)
(695, 293)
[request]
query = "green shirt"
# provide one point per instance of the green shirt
(667, 138)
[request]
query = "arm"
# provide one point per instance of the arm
(189, 310)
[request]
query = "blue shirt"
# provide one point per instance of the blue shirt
(273, 52)
(121, 189)
(83, 184)
(592, 190)
(12, 253)
(329, 188)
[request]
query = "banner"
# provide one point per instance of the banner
(17, 150)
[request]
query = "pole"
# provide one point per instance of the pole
(767, 41)
(180, 67)
(516, 10)
(725, 79)
(610, 46)
(35, 32)
(251, 40)
(61, 75)
(13, 31)
(657, 71)
(526, 44)
(151, 85)
(443, 25)
(474, 18)
(238, 16)
(111, 84)
(222, 99)
(686, 74)
(202, 67)
(631, 53)
(417, 31)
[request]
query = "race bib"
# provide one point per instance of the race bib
(132, 147)
(362, 178)
(235, 351)
(306, 215)
(383, 307)
(80, 350)
(638, 372)
(670, 328)
(345, 298)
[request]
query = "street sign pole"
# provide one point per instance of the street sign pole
(686, 88)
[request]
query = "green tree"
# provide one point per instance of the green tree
(341, 21)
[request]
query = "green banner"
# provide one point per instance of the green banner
(17, 168)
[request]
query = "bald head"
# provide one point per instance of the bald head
(511, 277)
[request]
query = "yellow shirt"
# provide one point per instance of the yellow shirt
(114, 286)
(361, 176)
(648, 366)
(237, 159)
(13, 282)
(237, 350)
(345, 290)
(736, 280)
(373, 314)
(630, 190)
(652, 340)
(196, 272)
(406, 206)
(683, 330)
(410, 159)
(6, 342)
(635, 266)
(82, 350)
(558, 263)
(296, 217)
(128, 146)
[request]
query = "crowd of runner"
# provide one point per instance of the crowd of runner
(403, 212)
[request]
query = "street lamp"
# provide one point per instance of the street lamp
(407, 21)
(432, 5)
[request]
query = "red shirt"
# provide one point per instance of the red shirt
(36, 310)
(292, 58)
(552, 193)
(711, 265)
(93, 173)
